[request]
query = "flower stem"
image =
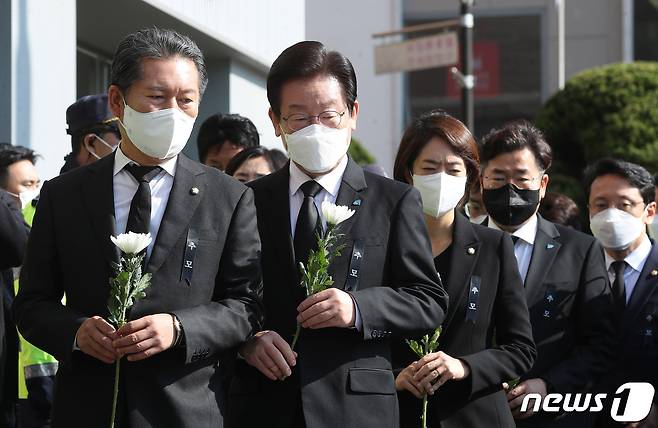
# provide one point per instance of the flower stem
(294, 339)
(116, 392)
(424, 418)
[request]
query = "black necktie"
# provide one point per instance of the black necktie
(619, 286)
(515, 239)
(308, 222)
(139, 217)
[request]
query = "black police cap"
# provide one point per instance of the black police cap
(89, 111)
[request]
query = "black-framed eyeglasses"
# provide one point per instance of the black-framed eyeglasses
(329, 118)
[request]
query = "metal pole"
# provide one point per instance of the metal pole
(559, 6)
(466, 47)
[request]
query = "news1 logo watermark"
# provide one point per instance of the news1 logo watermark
(631, 402)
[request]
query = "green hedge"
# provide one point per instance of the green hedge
(359, 153)
(605, 111)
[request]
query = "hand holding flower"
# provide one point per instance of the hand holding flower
(436, 368)
(329, 308)
(94, 338)
(144, 337)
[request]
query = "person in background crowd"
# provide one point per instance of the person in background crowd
(560, 209)
(384, 281)
(93, 129)
(251, 164)
(563, 270)
(621, 201)
(279, 159)
(13, 238)
(36, 368)
(223, 136)
(474, 207)
(18, 175)
(464, 377)
(195, 314)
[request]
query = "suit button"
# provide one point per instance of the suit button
(373, 334)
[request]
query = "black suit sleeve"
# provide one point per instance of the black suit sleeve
(56, 325)
(414, 302)
(236, 309)
(515, 351)
(13, 233)
(596, 341)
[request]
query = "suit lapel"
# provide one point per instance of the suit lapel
(349, 193)
(98, 194)
(277, 216)
(181, 205)
(544, 252)
(465, 253)
(646, 284)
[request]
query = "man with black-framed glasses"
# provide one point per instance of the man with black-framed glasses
(621, 206)
(566, 284)
(385, 284)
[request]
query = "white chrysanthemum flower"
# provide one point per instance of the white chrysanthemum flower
(335, 214)
(131, 242)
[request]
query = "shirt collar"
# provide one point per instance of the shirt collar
(329, 181)
(121, 160)
(527, 232)
(637, 258)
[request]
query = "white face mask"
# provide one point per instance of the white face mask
(440, 192)
(26, 196)
(317, 148)
(102, 142)
(160, 134)
(616, 229)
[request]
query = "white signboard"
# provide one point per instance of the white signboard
(417, 54)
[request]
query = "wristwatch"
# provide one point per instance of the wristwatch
(178, 331)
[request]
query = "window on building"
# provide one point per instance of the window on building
(645, 19)
(93, 72)
(507, 66)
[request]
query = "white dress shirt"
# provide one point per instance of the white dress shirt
(125, 186)
(330, 183)
(524, 245)
(634, 264)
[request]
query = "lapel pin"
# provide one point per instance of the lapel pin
(356, 202)
(549, 246)
(654, 272)
(471, 250)
(194, 191)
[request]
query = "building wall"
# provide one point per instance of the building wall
(239, 39)
(347, 26)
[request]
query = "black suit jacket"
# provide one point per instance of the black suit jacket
(344, 376)
(69, 252)
(571, 313)
(637, 360)
(13, 238)
(495, 342)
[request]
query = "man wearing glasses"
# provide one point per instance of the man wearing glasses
(563, 270)
(385, 283)
(621, 205)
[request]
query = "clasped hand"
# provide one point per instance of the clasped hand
(138, 339)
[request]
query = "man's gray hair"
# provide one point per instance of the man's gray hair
(153, 43)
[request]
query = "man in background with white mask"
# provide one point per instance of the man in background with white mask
(621, 205)
(18, 175)
(385, 284)
(94, 131)
(203, 300)
(563, 273)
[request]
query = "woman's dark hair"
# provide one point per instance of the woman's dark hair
(153, 43)
(279, 159)
(437, 123)
(305, 60)
(636, 175)
(253, 152)
(560, 209)
(513, 136)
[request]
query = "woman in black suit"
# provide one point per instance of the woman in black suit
(487, 337)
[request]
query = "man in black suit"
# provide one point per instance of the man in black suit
(203, 299)
(385, 282)
(13, 237)
(563, 270)
(621, 205)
